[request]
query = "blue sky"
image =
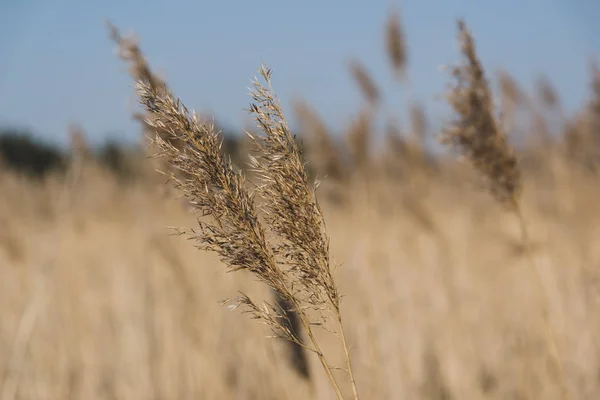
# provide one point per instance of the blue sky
(58, 66)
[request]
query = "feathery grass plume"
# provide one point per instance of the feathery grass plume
(129, 51)
(291, 320)
(395, 44)
(477, 133)
(365, 82)
(292, 211)
(139, 68)
(216, 190)
(290, 206)
(214, 187)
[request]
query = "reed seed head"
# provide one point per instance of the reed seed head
(395, 44)
(475, 131)
(365, 82)
(290, 206)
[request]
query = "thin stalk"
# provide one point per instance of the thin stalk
(316, 348)
(319, 352)
(550, 335)
(347, 355)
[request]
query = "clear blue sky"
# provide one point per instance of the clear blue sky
(58, 66)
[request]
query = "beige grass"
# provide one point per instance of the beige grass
(133, 313)
(100, 303)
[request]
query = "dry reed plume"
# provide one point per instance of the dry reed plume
(481, 139)
(296, 266)
(395, 44)
(365, 82)
(475, 132)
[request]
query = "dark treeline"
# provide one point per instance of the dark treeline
(22, 152)
(25, 153)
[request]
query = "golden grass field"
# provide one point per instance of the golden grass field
(99, 302)
(439, 301)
